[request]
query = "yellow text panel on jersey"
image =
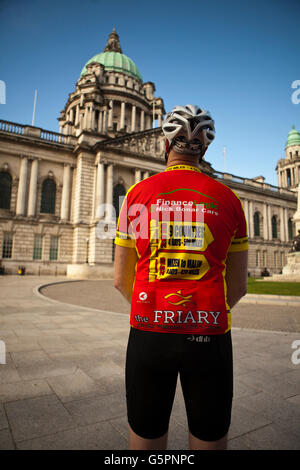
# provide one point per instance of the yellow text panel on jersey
(181, 265)
(174, 235)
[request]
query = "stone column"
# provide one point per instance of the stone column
(142, 126)
(85, 119)
(21, 201)
(104, 125)
(66, 190)
(246, 212)
(77, 115)
(100, 183)
(133, 118)
(100, 120)
(265, 223)
(269, 222)
(33, 188)
(283, 228)
(110, 114)
(160, 120)
(137, 175)
(251, 225)
(92, 118)
(296, 217)
(146, 175)
(122, 119)
(109, 191)
(149, 124)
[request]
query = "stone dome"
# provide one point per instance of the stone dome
(293, 138)
(113, 59)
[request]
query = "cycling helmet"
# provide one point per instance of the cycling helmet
(189, 129)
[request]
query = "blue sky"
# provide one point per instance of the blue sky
(236, 58)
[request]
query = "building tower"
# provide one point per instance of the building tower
(288, 168)
(110, 99)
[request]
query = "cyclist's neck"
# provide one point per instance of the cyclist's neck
(182, 159)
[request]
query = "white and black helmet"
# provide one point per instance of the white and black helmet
(189, 129)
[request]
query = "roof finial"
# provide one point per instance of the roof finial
(113, 43)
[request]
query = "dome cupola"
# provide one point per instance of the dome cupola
(293, 138)
(114, 60)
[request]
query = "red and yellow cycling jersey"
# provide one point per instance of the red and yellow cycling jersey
(182, 224)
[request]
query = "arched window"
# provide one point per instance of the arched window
(256, 225)
(290, 229)
(5, 189)
(274, 227)
(48, 196)
(118, 196)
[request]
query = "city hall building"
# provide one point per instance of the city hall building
(56, 188)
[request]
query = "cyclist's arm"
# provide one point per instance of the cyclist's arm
(236, 276)
(125, 263)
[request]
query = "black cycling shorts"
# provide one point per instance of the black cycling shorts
(204, 364)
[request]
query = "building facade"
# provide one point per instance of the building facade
(60, 191)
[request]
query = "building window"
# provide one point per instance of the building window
(256, 225)
(5, 189)
(288, 175)
(97, 114)
(7, 245)
(53, 255)
(265, 259)
(290, 229)
(258, 258)
(37, 247)
(48, 196)
(274, 226)
(118, 197)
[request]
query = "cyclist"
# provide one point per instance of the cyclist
(181, 261)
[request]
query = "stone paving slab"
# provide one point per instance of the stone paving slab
(62, 386)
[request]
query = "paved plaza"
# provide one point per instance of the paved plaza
(62, 386)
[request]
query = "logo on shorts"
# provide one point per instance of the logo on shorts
(143, 296)
(178, 298)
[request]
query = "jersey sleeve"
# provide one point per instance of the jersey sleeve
(124, 235)
(240, 239)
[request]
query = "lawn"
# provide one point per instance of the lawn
(273, 288)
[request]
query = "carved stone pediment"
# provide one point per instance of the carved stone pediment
(150, 143)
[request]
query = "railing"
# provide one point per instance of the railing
(258, 184)
(53, 136)
(12, 127)
(30, 131)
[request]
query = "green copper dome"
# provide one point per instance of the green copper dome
(113, 59)
(293, 138)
